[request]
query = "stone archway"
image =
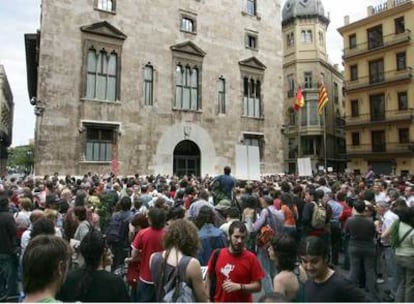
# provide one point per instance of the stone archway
(186, 160)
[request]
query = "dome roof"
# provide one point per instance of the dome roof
(303, 8)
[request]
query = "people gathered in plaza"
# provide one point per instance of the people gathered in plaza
(165, 238)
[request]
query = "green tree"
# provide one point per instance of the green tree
(21, 158)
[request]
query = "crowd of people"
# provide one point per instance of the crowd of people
(285, 238)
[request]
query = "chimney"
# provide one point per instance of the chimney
(346, 20)
(370, 10)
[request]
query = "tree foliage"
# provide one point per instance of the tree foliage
(20, 158)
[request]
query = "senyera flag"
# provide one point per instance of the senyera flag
(323, 98)
(300, 100)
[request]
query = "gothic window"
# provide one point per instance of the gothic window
(102, 74)
(148, 84)
(251, 97)
(187, 88)
(221, 99)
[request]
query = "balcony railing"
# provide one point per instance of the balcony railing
(388, 40)
(380, 149)
(388, 117)
(380, 79)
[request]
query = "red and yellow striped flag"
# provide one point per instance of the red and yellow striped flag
(300, 100)
(323, 98)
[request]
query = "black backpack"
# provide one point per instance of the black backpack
(117, 231)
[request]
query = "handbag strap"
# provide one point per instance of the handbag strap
(405, 235)
(271, 219)
(179, 273)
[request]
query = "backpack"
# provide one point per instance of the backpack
(318, 216)
(395, 240)
(117, 230)
(175, 289)
(268, 230)
(217, 192)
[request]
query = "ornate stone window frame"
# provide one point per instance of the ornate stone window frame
(101, 36)
(187, 54)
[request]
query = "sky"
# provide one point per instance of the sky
(23, 16)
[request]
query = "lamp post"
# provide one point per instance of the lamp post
(29, 156)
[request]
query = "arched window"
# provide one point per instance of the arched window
(148, 84)
(221, 95)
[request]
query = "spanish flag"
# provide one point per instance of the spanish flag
(300, 100)
(323, 98)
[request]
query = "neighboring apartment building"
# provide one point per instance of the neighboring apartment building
(305, 65)
(155, 86)
(6, 119)
(378, 57)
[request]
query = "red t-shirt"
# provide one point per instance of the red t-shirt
(150, 240)
(241, 269)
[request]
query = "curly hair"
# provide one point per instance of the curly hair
(183, 235)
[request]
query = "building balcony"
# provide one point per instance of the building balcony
(305, 129)
(380, 150)
(372, 48)
(371, 119)
(378, 80)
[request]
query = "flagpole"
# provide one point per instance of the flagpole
(324, 138)
(299, 139)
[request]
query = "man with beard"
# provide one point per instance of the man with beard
(237, 270)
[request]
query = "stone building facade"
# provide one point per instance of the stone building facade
(6, 119)
(155, 86)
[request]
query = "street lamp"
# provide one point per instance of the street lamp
(29, 157)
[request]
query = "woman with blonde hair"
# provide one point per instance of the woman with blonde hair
(181, 243)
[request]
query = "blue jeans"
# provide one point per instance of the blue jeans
(8, 275)
(269, 269)
(392, 269)
(365, 255)
(145, 292)
(405, 291)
